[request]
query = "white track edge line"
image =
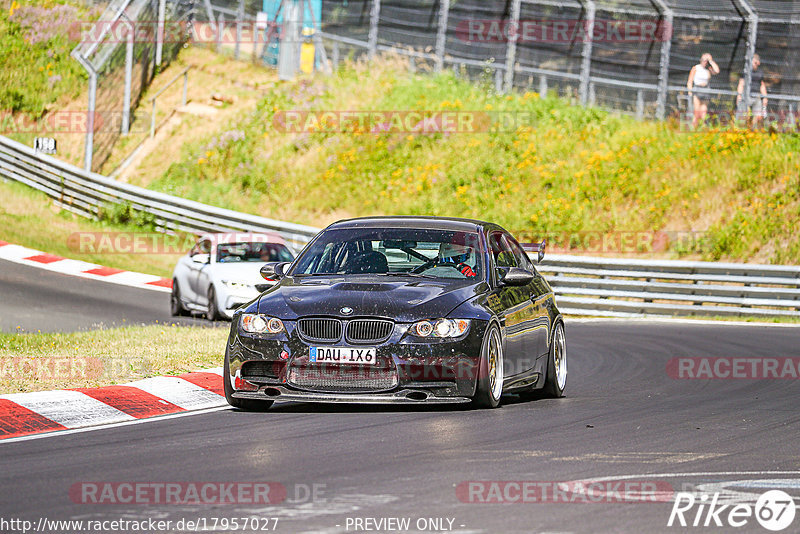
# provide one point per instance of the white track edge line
(153, 419)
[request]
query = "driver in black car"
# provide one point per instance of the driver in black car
(462, 256)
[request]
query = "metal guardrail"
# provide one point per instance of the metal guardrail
(86, 193)
(634, 287)
(583, 285)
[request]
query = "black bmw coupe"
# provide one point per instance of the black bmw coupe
(399, 310)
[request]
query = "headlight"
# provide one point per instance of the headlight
(236, 285)
(440, 328)
(256, 323)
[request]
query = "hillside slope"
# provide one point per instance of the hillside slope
(565, 172)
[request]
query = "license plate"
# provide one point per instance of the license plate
(364, 356)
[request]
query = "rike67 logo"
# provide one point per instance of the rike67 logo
(774, 510)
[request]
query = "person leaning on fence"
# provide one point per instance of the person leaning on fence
(756, 105)
(698, 83)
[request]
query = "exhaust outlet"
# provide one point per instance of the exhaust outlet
(272, 392)
(417, 395)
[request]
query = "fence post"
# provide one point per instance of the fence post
(441, 34)
(335, 55)
(220, 31)
(665, 34)
(511, 47)
(162, 14)
(153, 120)
(586, 64)
(542, 86)
(374, 17)
(89, 140)
(592, 94)
(752, 35)
(640, 104)
(126, 99)
(239, 17)
(185, 87)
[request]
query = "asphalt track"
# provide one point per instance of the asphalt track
(624, 417)
(37, 299)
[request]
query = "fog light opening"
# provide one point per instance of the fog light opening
(272, 392)
(417, 395)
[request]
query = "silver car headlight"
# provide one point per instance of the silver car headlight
(257, 323)
(233, 285)
(440, 328)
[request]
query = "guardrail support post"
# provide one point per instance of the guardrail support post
(511, 48)
(592, 94)
(374, 17)
(441, 34)
(665, 34)
(542, 86)
(586, 63)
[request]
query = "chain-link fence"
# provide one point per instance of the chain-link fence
(121, 53)
(632, 56)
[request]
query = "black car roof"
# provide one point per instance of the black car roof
(413, 221)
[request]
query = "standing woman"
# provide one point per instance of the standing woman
(699, 78)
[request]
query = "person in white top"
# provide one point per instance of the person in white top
(699, 78)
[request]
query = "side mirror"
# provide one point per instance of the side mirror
(539, 249)
(274, 270)
(201, 258)
(517, 277)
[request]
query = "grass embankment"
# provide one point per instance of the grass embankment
(570, 170)
(103, 357)
(28, 218)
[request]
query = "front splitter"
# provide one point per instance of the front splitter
(404, 396)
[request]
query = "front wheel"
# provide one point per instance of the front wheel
(248, 405)
(556, 379)
(175, 305)
(490, 371)
(212, 313)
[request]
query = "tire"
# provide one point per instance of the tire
(212, 313)
(248, 405)
(175, 306)
(489, 388)
(556, 379)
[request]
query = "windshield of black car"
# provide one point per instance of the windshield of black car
(393, 251)
(252, 252)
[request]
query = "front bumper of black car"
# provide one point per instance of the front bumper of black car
(408, 370)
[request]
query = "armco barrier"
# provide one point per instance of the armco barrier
(584, 285)
(86, 192)
(631, 287)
